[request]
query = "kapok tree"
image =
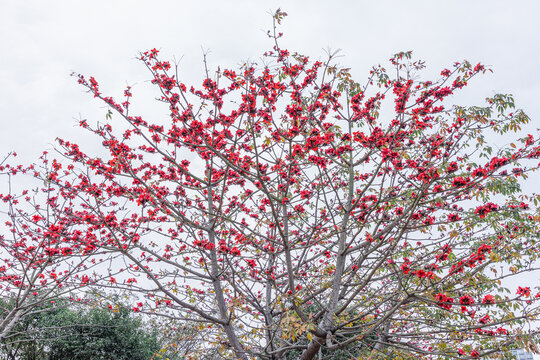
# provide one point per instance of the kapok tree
(285, 211)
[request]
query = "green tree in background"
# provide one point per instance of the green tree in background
(61, 331)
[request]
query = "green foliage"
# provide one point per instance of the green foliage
(66, 332)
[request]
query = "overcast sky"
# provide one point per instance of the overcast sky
(42, 42)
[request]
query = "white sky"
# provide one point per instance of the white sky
(42, 42)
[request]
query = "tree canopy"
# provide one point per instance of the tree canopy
(289, 209)
(65, 331)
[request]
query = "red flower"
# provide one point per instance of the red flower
(484, 320)
(480, 172)
(437, 188)
(466, 300)
(446, 249)
(452, 167)
(444, 301)
(405, 267)
(482, 211)
(524, 291)
(460, 181)
(484, 249)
